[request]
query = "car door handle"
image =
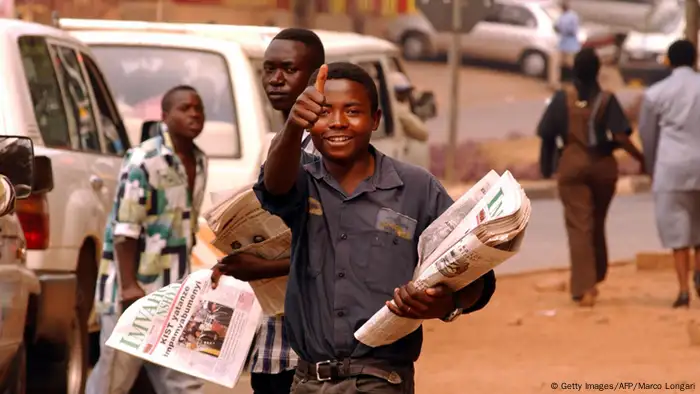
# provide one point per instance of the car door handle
(96, 182)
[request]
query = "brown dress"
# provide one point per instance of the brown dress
(586, 181)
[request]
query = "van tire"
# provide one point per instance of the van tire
(17, 373)
(62, 367)
(414, 46)
(76, 357)
(86, 273)
(534, 63)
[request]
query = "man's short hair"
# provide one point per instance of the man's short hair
(166, 104)
(682, 53)
(309, 39)
(586, 65)
(355, 73)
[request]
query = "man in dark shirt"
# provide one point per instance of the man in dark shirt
(290, 59)
(356, 216)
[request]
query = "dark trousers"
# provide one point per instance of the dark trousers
(280, 383)
(586, 192)
(305, 384)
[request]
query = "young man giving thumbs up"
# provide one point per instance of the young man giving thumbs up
(355, 216)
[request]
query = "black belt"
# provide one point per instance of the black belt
(343, 369)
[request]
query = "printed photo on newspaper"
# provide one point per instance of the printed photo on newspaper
(192, 328)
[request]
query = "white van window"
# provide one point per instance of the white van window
(386, 126)
(140, 75)
(75, 90)
(116, 140)
(45, 91)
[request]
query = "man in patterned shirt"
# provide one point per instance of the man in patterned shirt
(149, 237)
(290, 59)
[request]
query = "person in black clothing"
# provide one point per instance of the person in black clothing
(580, 129)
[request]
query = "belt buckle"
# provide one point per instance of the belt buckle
(318, 368)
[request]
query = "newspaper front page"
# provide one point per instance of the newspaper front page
(458, 248)
(192, 328)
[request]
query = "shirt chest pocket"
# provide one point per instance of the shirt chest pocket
(389, 263)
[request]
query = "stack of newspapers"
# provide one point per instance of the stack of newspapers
(482, 229)
(240, 225)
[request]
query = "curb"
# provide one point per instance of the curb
(547, 189)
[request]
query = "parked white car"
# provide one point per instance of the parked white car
(18, 284)
(643, 57)
(624, 16)
(55, 94)
(519, 32)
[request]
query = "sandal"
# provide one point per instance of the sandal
(588, 298)
(683, 300)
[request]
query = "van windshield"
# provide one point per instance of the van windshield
(140, 75)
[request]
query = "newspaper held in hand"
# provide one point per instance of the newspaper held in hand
(192, 328)
(481, 230)
(240, 225)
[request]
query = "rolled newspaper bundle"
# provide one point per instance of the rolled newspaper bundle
(481, 230)
(240, 225)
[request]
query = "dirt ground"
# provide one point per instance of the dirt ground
(532, 336)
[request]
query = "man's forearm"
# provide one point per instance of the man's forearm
(282, 164)
(127, 255)
(629, 147)
(267, 269)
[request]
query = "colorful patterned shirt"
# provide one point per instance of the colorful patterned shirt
(154, 206)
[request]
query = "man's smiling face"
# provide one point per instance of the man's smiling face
(344, 129)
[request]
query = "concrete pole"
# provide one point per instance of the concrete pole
(692, 12)
(455, 65)
(159, 10)
(302, 13)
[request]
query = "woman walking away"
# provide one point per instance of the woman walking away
(580, 129)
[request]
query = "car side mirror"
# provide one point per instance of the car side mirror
(149, 129)
(17, 163)
(43, 175)
(424, 106)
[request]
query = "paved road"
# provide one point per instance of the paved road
(630, 229)
(493, 103)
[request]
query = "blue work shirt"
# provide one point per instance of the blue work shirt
(567, 27)
(349, 252)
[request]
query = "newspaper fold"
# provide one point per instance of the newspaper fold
(192, 328)
(481, 230)
(240, 225)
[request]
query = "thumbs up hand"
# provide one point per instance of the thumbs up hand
(309, 105)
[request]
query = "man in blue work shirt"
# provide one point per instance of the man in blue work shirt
(356, 216)
(567, 27)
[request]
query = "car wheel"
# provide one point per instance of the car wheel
(18, 370)
(414, 46)
(62, 367)
(76, 357)
(534, 64)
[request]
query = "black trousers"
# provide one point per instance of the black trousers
(280, 383)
